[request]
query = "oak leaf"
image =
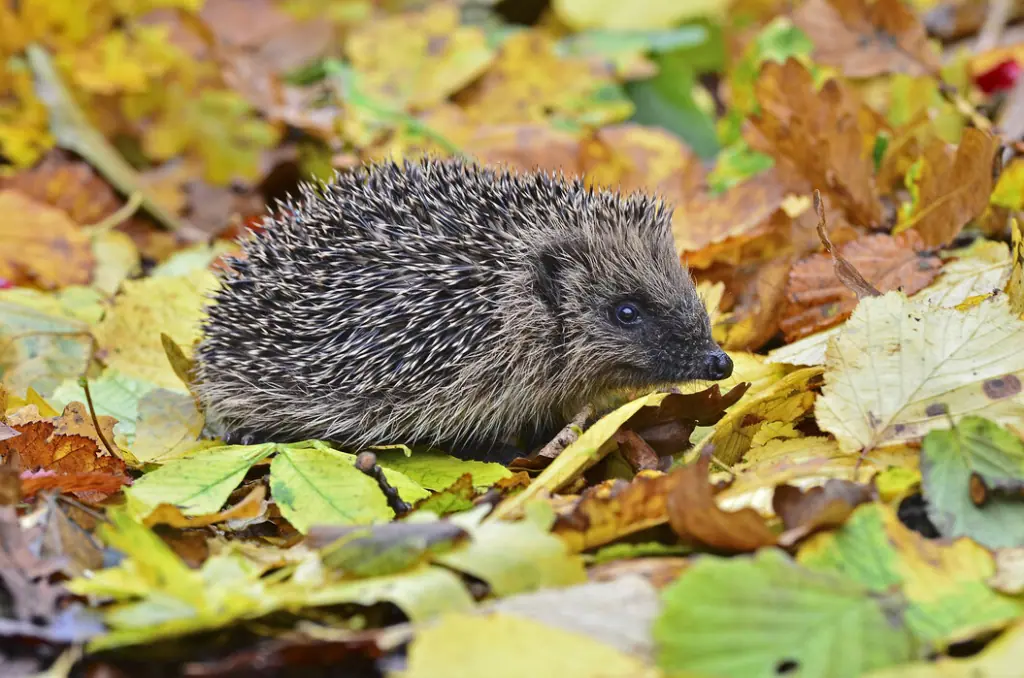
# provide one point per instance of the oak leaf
(822, 137)
(953, 187)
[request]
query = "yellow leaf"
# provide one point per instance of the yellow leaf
(41, 244)
(471, 645)
(1015, 284)
(637, 15)
(1000, 659)
(129, 335)
(418, 59)
(898, 370)
(787, 400)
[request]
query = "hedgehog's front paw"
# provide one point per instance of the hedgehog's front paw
(244, 437)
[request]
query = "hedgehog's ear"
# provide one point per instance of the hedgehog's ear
(548, 269)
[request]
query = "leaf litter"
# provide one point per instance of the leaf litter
(845, 504)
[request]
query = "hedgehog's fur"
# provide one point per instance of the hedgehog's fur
(437, 302)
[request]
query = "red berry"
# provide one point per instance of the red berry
(5, 284)
(1000, 77)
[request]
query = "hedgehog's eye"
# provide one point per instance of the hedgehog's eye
(627, 313)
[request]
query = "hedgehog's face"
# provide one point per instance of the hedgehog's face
(633, 320)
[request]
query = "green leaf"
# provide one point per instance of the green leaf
(944, 584)
(608, 43)
(436, 470)
(513, 557)
(199, 483)
(315, 485)
(948, 458)
(667, 100)
(114, 394)
(756, 617)
(735, 164)
(45, 337)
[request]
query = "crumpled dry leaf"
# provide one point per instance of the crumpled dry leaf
(694, 515)
(824, 137)
(65, 452)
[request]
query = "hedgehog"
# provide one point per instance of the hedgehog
(440, 302)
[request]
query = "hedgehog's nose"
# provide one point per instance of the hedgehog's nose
(719, 365)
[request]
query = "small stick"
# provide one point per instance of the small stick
(84, 383)
(568, 435)
(367, 463)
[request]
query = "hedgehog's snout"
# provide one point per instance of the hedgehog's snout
(718, 365)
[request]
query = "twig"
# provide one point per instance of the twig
(568, 435)
(84, 383)
(845, 271)
(122, 214)
(367, 463)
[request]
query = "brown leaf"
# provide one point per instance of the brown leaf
(33, 605)
(829, 505)
(954, 188)
(864, 38)
(821, 138)
(41, 245)
(638, 454)
(817, 299)
(696, 517)
(667, 427)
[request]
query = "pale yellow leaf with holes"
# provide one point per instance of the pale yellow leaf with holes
(898, 370)
(129, 335)
(787, 400)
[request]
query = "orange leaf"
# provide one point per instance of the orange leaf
(696, 517)
(69, 447)
(41, 245)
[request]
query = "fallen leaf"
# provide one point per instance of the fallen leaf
(943, 582)
(818, 508)
(475, 644)
(761, 613)
(953, 189)
(898, 370)
(865, 39)
(42, 246)
(821, 134)
(948, 461)
(695, 517)
(817, 299)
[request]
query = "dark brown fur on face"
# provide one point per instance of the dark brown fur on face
(444, 303)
